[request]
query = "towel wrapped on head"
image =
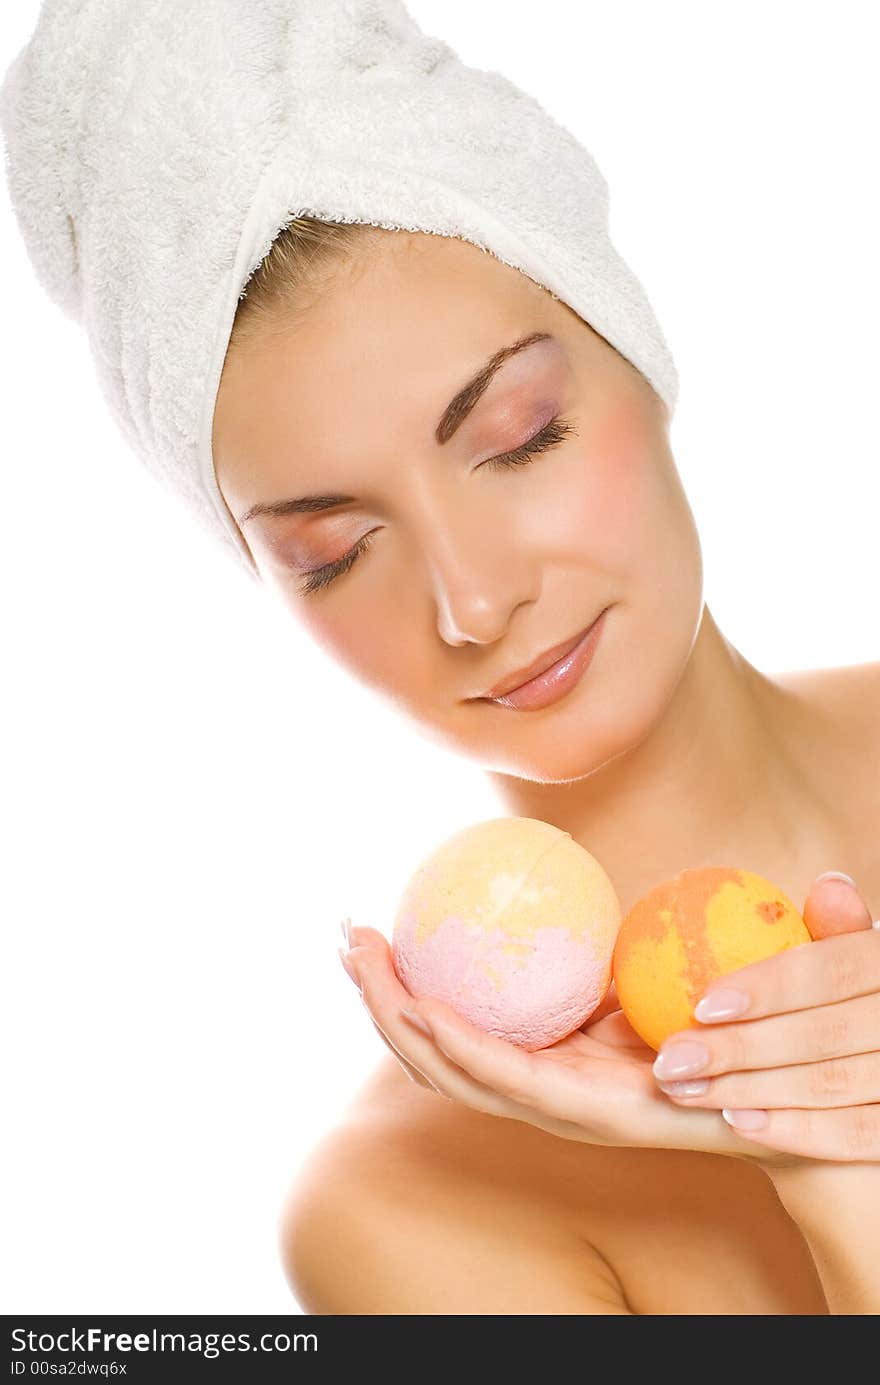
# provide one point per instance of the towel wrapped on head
(155, 150)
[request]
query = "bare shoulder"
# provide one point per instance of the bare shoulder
(851, 690)
(841, 720)
(834, 717)
(423, 1215)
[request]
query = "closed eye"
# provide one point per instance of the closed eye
(549, 436)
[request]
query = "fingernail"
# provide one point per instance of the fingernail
(745, 1120)
(836, 875)
(699, 1087)
(418, 1022)
(724, 1004)
(681, 1060)
(349, 966)
(876, 923)
(345, 925)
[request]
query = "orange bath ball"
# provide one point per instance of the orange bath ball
(689, 931)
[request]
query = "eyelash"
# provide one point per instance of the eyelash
(549, 436)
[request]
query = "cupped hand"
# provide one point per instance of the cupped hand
(796, 1068)
(596, 1085)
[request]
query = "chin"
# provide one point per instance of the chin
(552, 756)
(564, 769)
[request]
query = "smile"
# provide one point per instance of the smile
(557, 680)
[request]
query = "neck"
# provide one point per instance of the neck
(719, 779)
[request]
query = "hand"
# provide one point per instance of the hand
(595, 1085)
(798, 1069)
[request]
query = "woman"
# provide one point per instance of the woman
(422, 446)
(556, 500)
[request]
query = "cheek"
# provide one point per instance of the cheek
(612, 508)
(366, 642)
(342, 636)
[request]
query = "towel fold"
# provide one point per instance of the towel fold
(154, 150)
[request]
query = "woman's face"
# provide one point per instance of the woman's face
(468, 571)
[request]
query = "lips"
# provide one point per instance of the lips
(538, 666)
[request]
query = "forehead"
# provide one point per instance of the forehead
(377, 355)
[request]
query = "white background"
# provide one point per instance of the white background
(195, 795)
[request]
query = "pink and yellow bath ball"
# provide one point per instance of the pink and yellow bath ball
(511, 923)
(689, 931)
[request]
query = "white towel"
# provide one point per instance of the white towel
(155, 148)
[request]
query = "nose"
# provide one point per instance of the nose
(479, 576)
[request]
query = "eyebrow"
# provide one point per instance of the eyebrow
(453, 417)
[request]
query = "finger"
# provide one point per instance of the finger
(807, 1036)
(834, 968)
(377, 962)
(412, 1073)
(851, 1133)
(834, 906)
(384, 998)
(363, 936)
(837, 1082)
(529, 1080)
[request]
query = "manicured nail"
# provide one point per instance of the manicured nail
(681, 1059)
(699, 1087)
(418, 1022)
(349, 966)
(345, 925)
(836, 875)
(724, 1004)
(745, 1120)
